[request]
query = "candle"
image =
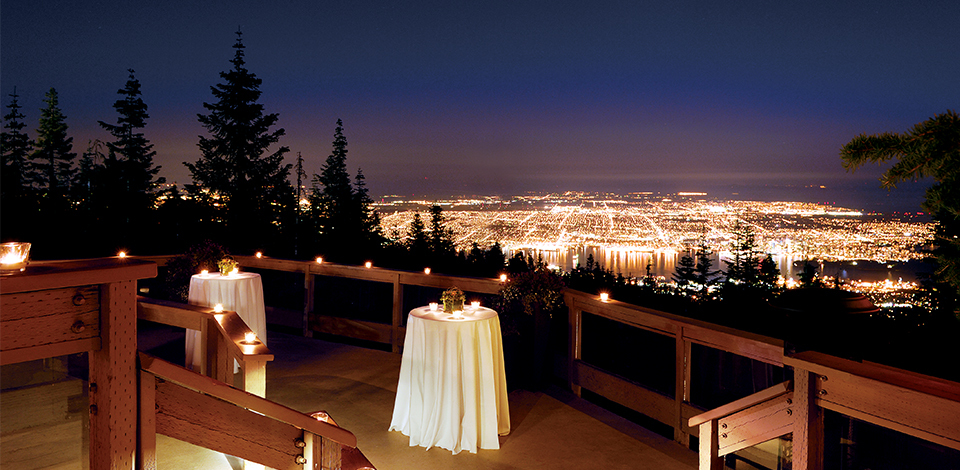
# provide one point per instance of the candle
(259, 254)
(604, 296)
(204, 272)
(235, 271)
(426, 270)
(503, 278)
(458, 314)
(249, 337)
(369, 264)
(319, 260)
(474, 305)
(14, 257)
(122, 254)
(218, 308)
(433, 306)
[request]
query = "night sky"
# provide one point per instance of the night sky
(506, 97)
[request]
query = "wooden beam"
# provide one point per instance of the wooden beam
(113, 380)
(632, 395)
(759, 423)
(207, 422)
(397, 316)
(743, 403)
(172, 313)
(43, 275)
(709, 457)
(13, 356)
(808, 423)
(177, 374)
(147, 423)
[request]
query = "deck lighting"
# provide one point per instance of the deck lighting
(122, 254)
(218, 308)
(14, 257)
(249, 338)
(604, 297)
(259, 254)
(369, 264)
(319, 260)
(503, 278)
(426, 270)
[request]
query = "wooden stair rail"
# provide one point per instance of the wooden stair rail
(221, 340)
(203, 411)
(744, 423)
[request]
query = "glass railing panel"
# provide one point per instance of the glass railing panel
(775, 454)
(852, 444)
(719, 377)
(44, 413)
(636, 354)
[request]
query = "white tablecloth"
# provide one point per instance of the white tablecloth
(241, 293)
(452, 391)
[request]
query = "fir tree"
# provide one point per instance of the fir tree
(53, 157)
(686, 272)
(15, 149)
(130, 152)
(930, 149)
(235, 164)
(418, 244)
(441, 239)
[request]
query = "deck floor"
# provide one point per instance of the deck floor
(552, 429)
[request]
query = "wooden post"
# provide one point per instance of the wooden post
(808, 423)
(710, 446)
(308, 289)
(575, 322)
(113, 380)
(255, 377)
(147, 423)
(680, 388)
(397, 314)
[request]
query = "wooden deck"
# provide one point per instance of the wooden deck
(357, 386)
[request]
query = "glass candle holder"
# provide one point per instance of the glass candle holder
(14, 257)
(434, 306)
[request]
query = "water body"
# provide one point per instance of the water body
(634, 264)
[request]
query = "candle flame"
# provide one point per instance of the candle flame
(250, 337)
(218, 308)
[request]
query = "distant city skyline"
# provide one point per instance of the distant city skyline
(507, 97)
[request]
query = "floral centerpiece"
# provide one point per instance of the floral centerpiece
(452, 299)
(227, 265)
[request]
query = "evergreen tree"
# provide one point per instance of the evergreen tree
(131, 152)
(930, 149)
(53, 158)
(418, 244)
(368, 218)
(686, 272)
(769, 274)
(441, 239)
(235, 165)
(743, 271)
(15, 149)
(705, 275)
(132, 188)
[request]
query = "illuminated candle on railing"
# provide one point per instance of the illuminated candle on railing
(503, 278)
(426, 270)
(122, 254)
(250, 337)
(369, 264)
(319, 260)
(259, 254)
(604, 297)
(218, 308)
(14, 257)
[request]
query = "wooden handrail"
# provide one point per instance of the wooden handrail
(225, 392)
(743, 403)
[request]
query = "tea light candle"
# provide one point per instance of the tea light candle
(426, 270)
(218, 308)
(474, 305)
(204, 272)
(433, 306)
(250, 337)
(259, 254)
(604, 297)
(319, 260)
(368, 264)
(457, 314)
(14, 256)
(503, 278)
(235, 271)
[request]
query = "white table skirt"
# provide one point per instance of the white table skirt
(241, 293)
(452, 391)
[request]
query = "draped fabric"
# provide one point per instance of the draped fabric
(241, 293)
(452, 391)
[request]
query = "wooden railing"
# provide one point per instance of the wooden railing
(221, 341)
(911, 403)
(205, 412)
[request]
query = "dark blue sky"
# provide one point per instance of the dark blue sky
(512, 96)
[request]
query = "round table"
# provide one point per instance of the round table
(452, 391)
(241, 293)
